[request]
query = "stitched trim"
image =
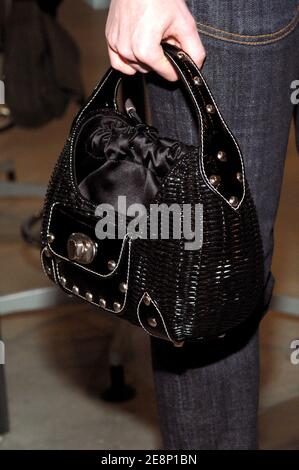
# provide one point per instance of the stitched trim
(160, 315)
(71, 139)
(44, 268)
(78, 264)
(199, 112)
(251, 40)
(97, 89)
(120, 312)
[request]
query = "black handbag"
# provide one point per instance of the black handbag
(172, 292)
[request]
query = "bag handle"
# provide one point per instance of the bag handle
(104, 95)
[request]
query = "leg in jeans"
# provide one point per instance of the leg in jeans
(207, 397)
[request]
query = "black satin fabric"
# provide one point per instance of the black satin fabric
(132, 160)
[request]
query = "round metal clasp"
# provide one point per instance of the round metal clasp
(81, 248)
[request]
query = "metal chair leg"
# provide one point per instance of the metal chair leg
(118, 389)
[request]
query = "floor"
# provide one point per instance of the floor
(57, 360)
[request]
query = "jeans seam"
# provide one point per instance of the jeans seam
(223, 35)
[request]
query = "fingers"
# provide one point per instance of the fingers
(160, 64)
(119, 63)
(134, 40)
(186, 38)
(190, 42)
(150, 52)
(147, 58)
(143, 60)
(123, 59)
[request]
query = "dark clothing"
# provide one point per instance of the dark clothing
(207, 396)
(49, 6)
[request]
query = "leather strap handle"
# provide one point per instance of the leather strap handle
(210, 118)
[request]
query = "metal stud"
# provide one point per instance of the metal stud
(123, 287)
(181, 55)
(147, 300)
(111, 265)
(215, 180)
(63, 281)
(210, 108)
(234, 201)
(49, 270)
(75, 290)
(89, 296)
(102, 302)
(152, 322)
(47, 252)
(239, 176)
(116, 307)
(50, 238)
(221, 155)
(197, 80)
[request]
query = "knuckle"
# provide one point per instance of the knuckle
(108, 34)
(141, 52)
(115, 63)
(193, 24)
(111, 44)
(188, 26)
(201, 55)
(129, 71)
(126, 52)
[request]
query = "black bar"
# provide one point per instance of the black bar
(137, 459)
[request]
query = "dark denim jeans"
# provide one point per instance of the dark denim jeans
(207, 396)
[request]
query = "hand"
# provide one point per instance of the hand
(135, 29)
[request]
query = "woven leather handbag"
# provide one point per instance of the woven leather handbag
(173, 293)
